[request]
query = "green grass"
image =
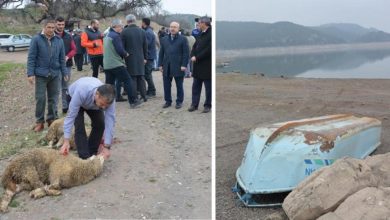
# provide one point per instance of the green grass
(22, 139)
(7, 68)
(14, 203)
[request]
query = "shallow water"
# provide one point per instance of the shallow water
(374, 64)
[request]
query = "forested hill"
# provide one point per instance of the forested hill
(243, 35)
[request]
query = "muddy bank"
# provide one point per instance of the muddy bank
(247, 101)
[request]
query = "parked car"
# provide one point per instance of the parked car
(14, 41)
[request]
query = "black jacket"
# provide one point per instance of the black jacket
(134, 42)
(202, 51)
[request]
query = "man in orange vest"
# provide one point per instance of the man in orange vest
(92, 40)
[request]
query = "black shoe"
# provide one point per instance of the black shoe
(120, 99)
(145, 99)
(206, 109)
(64, 110)
(124, 93)
(192, 108)
(150, 96)
(135, 104)
(166, 105)
(178, 106)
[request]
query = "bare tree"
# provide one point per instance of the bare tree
(83, 9)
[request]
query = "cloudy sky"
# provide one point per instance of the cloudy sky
(367, 13)
(198, 7)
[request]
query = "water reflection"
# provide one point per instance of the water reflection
(351, 64)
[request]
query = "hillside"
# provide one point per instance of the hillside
(244, 35)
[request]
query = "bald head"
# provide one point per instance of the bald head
(174, 27)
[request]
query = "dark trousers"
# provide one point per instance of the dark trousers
(179, 89)
(49, 86)
(118, 76)
(86, 147)
(149, 77)
(78, 59)
(139, 85)
(96, 61)
(197, 90)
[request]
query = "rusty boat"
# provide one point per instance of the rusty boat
(279, 156)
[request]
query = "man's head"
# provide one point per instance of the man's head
(145, 22)
(95, 24)
(105, 96)
(117, 25)
(204, 22)
(130, 19)
(60, 24)
(49, 26)
(174, 27)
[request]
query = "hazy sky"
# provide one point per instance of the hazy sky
(198, 7)
(367, 13)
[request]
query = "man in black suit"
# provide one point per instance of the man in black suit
(201, 57)
(173, 60)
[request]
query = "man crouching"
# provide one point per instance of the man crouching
(90, 95)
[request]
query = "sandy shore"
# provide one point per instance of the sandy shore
(248, 101)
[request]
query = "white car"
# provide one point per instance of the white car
(11, 42)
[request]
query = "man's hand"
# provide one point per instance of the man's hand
(31, 80)
(145, 61)
(66, 58)
(64, 150)
(193, 59)
(183, 68)
(161, 69)
(66, 78)
(106, 153)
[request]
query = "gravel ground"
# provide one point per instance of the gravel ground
(248, 101)
(160, 167)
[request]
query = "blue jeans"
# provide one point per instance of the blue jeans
(50, 85)
(118, 76)
(179, 88)
(197, 90)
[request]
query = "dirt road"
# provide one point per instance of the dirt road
(245, 102)
(161, 167)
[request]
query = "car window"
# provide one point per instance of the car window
(17, 37)
(26, 37)
(4, 36)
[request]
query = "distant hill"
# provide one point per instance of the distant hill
(186, 21)
(244, 35)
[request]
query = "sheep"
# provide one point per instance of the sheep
(55, 135)
(44, 172)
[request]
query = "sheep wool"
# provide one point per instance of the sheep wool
(45, 172)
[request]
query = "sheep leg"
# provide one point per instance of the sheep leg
(7, 198)
(60, 142)
(38, 193)
(54, 189)
(10, 189)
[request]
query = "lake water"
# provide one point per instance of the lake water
(351, 64)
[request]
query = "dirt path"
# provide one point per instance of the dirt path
(245, 102)
(161, 167)
(19, 56)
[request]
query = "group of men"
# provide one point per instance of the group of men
(127, 55)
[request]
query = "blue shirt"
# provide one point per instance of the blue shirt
(83, 93)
